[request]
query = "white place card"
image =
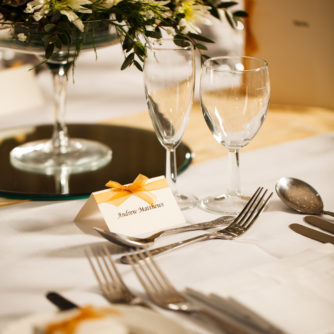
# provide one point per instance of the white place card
(142, 207)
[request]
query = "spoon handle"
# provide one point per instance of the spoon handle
(199, 226)
(329, 213)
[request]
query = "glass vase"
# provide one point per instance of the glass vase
(59, 153)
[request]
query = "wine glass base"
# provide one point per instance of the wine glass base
(186, 201)
(224, 204)
(80, 155)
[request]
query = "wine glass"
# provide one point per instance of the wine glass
(234, 94)
(169, 76)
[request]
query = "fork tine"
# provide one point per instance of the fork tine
(116, 277)
(252, 210)
(250, 222)
(246, 208)
(162, 276)
(103, 287)
(150, 290)
(242, 223)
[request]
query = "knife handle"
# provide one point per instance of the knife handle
(61, 302)
(329, 213)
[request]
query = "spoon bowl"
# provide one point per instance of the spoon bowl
(300, 196)
(124, 240)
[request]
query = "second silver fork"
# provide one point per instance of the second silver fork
(164, 294)
(240, 225)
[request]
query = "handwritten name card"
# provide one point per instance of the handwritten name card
(142, 207)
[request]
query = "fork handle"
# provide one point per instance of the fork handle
(159, 250)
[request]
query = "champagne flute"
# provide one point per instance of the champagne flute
(169, 76)
(234, 94)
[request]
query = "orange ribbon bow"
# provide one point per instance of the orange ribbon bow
(120, 193)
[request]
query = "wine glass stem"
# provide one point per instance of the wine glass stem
(171, 171)
(60, 138)
(233, 172)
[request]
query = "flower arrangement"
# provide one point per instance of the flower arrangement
(135, 22)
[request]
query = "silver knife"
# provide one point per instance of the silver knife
(320, 222)
(311, 233)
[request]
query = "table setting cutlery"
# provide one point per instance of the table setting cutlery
(312, 233)
(239, 225)
(300, 196)
(162, 293)
(320, 222)
(60, 301)
(109, 279)
(137, 242)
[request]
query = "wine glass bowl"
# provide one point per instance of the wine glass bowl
(234, 94)
(169, 76)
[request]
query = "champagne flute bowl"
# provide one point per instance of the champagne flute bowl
(169, 75)
(234, 94)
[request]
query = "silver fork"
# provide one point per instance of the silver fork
(163, 293)
(109, 278)
(239, 225)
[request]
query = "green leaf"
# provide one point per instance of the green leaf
(127, 43)
(240, 13)
(139, 49)
(128, 61)
(200, 38)
(49, 50)
(227, 4)
(140, 68)
(50, 27)
(230, 19)
(58, 43)
(200, 46)
(55, 17)
(214, 12)
(65, 38)
(181, 40)
(153, 34)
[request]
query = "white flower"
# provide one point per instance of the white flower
(78, 5)
(106, 4)
(69, 7)
(74, 18)
(21, 37)
(39, 7)
(194, 13)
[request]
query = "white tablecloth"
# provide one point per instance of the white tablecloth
(41, 248)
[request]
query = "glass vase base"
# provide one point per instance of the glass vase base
(78, 156)
(186, 201)
(224, 204)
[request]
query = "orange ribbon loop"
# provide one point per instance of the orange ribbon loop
(120, 193)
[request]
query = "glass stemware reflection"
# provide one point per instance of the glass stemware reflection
(234, 94)
(169, 75)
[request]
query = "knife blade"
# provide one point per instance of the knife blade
(61, 302)
(311, 233)
(320, 222)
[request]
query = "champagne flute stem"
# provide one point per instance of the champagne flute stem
(233, 172)
(171, 171)
(60, 139)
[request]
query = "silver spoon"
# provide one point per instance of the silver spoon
(128, 241)
(300, 196)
